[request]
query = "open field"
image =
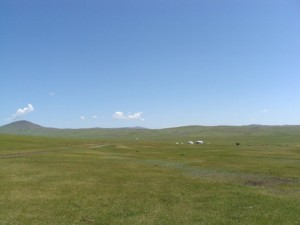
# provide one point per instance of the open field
(127, 181)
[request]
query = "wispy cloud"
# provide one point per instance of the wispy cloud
(136, 116)
(129, 116)
(265, 111)
(94, 117)
(51, 93)
(23, 111)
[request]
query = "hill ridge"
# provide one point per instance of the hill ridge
(212, 133)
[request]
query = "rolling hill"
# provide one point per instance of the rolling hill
(19, 126)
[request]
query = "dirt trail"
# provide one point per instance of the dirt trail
(36, 152)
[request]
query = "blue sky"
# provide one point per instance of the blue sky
(158, 63)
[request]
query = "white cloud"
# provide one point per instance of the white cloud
(265, 111)
(129, 116)
(95, 117)
(22, 112)
(82, 117)
(51, 93)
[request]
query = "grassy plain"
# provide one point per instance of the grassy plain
(60, 181)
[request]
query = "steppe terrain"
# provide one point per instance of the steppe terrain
(141, 176)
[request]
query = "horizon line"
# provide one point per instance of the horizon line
(141, 127)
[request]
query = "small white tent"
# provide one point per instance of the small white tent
(200, 142)
(190, 142)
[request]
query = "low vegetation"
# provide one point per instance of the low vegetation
(151, 181)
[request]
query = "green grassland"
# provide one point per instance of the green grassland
(141, 176)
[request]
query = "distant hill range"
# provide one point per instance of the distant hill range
(276, 134)
(26, 128)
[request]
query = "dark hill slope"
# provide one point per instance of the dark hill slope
(20, 126)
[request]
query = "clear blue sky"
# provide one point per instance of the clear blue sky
(158, 63)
